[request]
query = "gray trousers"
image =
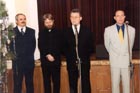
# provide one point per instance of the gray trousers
(118, 74)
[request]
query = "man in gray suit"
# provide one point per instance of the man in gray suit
(116, 43)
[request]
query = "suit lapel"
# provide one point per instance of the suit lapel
(17, 32)
(116, 35)
(80, 31)
(125, 40)
(125, 35)
(71, 32)
(71, 36)
(81, 34)
(26, 31)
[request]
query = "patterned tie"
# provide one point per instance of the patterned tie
(76, 42)
(121, 35)
(22, 32)
(76, 31)
(76, 34)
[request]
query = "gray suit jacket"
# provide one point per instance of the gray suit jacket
(118, 53)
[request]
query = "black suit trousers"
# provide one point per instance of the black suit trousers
(51, 75)
(18, 74)
(73, 73)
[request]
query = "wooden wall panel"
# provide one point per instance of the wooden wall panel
(99, 77)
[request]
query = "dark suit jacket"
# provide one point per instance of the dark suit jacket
(50, 43)
(85, 45)
(24, 48)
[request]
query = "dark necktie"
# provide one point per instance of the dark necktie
(22, 32)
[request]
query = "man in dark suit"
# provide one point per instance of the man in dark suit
(85, 48)
(49, 43)
(23, 46)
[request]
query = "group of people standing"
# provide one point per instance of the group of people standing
(53, 43)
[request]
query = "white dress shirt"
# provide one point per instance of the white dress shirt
(24, 29)
(78, 28)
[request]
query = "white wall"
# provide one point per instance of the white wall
(10, 6)
(27, 7)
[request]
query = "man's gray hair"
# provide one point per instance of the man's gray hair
(16, 17)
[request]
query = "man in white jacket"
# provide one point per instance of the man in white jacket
(116, 43)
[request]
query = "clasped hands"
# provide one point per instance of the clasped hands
(50, 57)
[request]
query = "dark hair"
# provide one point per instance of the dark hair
(76, 10)
(119, 10)
(48, 16)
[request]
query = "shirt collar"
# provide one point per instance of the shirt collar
(19, 28)
(78, 28)
(118, 27)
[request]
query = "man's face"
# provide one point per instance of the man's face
(119, 17)
(49, 23)
(75, 18)
(21, 20)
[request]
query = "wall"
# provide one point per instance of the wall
(97, 14)
(29, 8)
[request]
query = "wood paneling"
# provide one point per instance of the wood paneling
(100, 79)
(99, 76)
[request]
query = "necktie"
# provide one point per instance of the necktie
(76, 31)
(76, 42)
(22, 32)
(121, 35)
(76, 34)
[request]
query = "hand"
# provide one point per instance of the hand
(8, 41)
(50, 57)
